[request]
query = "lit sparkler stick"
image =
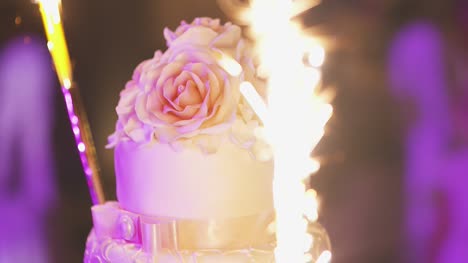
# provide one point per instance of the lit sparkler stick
(292, 106)
(50, 12)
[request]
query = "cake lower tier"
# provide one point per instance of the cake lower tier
(122, 236)
(107, 250)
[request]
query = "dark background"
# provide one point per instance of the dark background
(360, 179)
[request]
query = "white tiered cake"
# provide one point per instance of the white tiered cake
(191, 185)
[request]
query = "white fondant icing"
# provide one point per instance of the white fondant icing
(155, 180)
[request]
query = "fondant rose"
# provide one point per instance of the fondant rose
(187, 94)
(178, 95)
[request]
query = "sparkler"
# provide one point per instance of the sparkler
(294, 120)
(56, 43)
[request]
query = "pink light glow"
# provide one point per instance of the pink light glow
(80, 145)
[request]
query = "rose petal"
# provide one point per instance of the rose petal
(169, 36)
(193, 125)
(189, 95)
(150, 75)
(140, 68)
(229, 38)
(229, 101)
(169, 93)
(167, 98)
(190, 53)
(127, 99)
(136, 130)
(199, 84)
(208, 143)
(183, 77)
(210, 120)
(140, 110)
(214, 84)
(168, 71)
(182, 28)
(131, 124)
(204, 106)
(167, 117)
(198, 35)
(154, 102)
(186, 114)
(216, 129)
(166, 134)
(157, 55)
(243, 133)
(198, 69)
(148, 117)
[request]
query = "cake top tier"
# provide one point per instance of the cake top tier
(184, 96)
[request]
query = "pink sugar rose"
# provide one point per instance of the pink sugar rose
(176, 96)
(184, 97)
(186, 94)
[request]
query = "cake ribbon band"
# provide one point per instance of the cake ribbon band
(162, 233)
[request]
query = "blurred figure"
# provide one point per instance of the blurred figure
(27, 187)
(428, 71)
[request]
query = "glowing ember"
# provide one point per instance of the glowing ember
(255, 100)
(325, 257)
(228, 63)
(316, 56)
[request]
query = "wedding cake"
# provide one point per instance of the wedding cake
(194, 182)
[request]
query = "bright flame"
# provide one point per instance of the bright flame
(325, 257)
(50, 12)
(81, 147)
(229, 64)
(316, 56)
(255, 100)
(311, 205)
(297, 117)
(66, 83)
